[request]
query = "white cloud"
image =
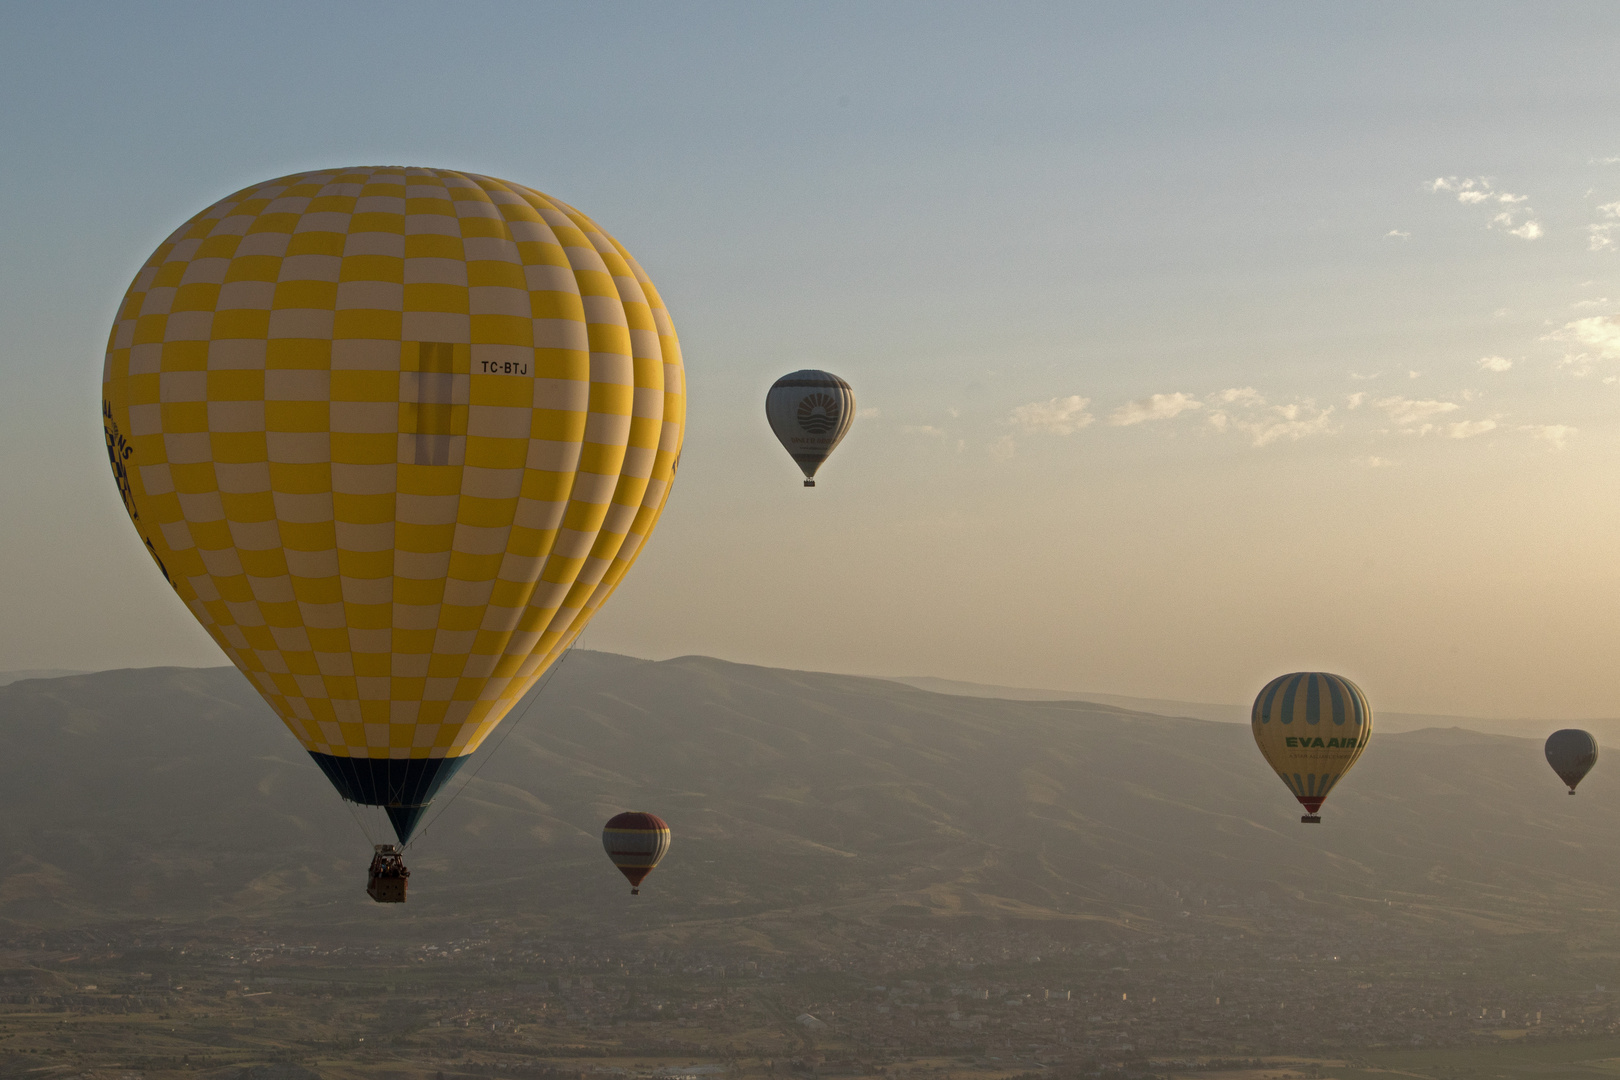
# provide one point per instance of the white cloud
(1377, 462)
(868, 414)
(1292, 422)
(1610, 210)
(1530, 230)
(1599, 335)
(1414, 374)
(1602, 301)
(1598, 238)
(1357, 398)
(1003, 448)
(1244, 410)
(1467, 189)
(1268, 424)
(1157, 407)
(1406, 411)
(922, 429)
(1554, 434)
(1494, 363)
(1060, 416)
(1579, 365)
(1471, 191)
(1397, 234)
(1467, 429)
(1600, 332)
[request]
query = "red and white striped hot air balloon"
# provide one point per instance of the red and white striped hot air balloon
(635, 841)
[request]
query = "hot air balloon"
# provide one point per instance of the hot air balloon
(635, 841)
(1572, 753)
(393, 435)
(1311, 727)
(811, 412)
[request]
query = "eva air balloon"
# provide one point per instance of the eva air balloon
(810, 412)
(393, 435)
(1311, 727)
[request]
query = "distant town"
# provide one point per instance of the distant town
(1229, 986)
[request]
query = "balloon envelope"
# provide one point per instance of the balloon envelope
(393, 435)
(1572, 753)
(1311, 727)
(635, 841)
(810, 412)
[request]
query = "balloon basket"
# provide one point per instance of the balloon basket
(1311, 819)
(809, 483)
(635, 892)
(388, 876)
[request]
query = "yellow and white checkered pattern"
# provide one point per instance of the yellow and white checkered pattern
(393, 435)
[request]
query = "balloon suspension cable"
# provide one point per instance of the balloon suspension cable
(534, 699)
(359, 819)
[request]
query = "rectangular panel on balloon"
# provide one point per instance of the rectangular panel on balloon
(433, 394)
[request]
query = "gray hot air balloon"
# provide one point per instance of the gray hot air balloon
(811, 412)
(1572, 753)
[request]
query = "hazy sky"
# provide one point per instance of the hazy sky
(1195, 343)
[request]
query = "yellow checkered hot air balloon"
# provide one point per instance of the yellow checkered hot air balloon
(393, 435)
(1311, 727)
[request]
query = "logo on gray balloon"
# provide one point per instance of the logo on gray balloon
(819, 413)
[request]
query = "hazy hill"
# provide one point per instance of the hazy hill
(175, 793)
(8, 677)
(1607, 730)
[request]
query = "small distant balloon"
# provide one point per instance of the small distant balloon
(635, 841)
(1311, 727)
(1572, 753)
(811, 412)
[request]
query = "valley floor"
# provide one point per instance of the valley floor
(118, 1005)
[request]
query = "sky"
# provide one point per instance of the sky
(1193, 343)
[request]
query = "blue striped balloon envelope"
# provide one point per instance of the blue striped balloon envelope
(1311, 726)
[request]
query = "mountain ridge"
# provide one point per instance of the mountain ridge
(795, 797)
(1606, 728)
